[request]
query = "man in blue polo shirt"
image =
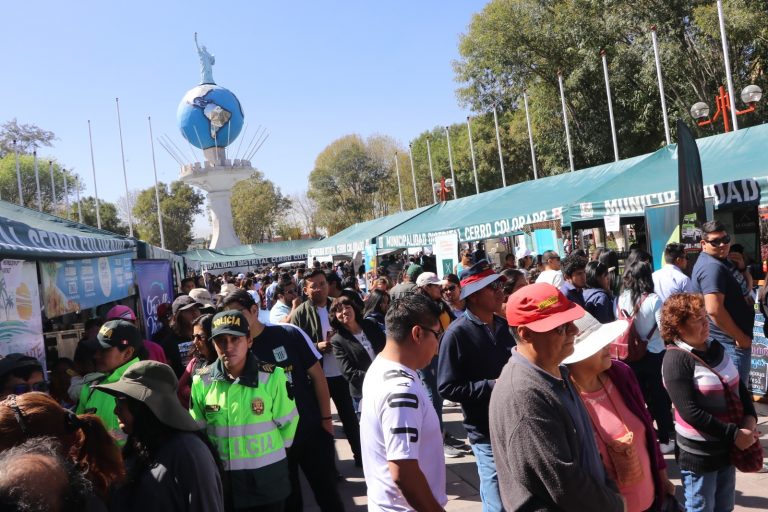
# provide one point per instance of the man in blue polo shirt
(474, 349)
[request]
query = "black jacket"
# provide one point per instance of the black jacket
(352, 356)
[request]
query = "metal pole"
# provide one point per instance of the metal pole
(565, 121)
(472, 151)
(399, 187)
(157, 193)
(79, 208)
(95, 188)
(498, 143)
(53, 187)
(125, 175)
(18, 172)
(431, 174)
(727, 62)
(450, 160)
(610, 105)
(530, 135)
(661, 85)
(37, 183)
(66, 193)
(413, 174)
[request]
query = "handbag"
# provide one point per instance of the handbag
(630, 347)
(751, 459)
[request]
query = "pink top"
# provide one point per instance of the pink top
(156, 352)
(603, 411)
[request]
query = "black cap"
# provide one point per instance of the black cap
(183, 302)
(119, 333)
(229, 322)
(15, 361)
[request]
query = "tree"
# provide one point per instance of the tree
(123, 206)
(107, 211)
(9, 189)
(179, 204)
(27, 137)
(257, 206)
(304, 212)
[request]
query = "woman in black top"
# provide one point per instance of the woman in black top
(598, 299)
(376, 306)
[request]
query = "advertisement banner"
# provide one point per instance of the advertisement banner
(155, 282)
(446, 249)
(73, 285)
(758, 373)
(21, 325)
(370, 259)
(691, 186)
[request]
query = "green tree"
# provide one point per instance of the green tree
(107, 212)
(9, 189)
(257, 207)
(27, 137)
(179, 204)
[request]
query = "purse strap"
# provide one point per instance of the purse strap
(595, 423)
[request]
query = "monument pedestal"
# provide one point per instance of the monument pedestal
(218, 181)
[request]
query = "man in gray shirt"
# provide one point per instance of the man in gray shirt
(545, 452)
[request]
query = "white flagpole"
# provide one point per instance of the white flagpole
(95, 188)
(565, 121)
(610, 105)
(18, 171)
(125, 175)
(431, 173)
(77, 192)
(530, 136)
(157, 193)
(450, 160)
(53, 187)
(37, 183)
(413, 174)
(66, 193)
(727, 62)
(472, 151)
(399, 188)
(498, 143)
(661, 84)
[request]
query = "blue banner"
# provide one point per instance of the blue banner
(73, 285)
(155, 282)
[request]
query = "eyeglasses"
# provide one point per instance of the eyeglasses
(496, 285)
(449, 288)
(560, 329)
(717, 242)
(438, 334)
(198, 336)
(20, 389)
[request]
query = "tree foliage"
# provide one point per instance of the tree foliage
(27, 137)
(257, 207)
(179, 204)
(9, 189)
(108, 212)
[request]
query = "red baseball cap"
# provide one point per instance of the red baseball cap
(541, 307)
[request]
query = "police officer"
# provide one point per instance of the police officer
(244, 405)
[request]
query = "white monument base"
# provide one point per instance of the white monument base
(218, 181)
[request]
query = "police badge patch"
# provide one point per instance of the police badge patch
(257, 406)
(280, 354)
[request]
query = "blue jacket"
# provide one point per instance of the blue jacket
(599, 304)
(572, 293)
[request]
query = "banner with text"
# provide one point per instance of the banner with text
(155, 281)
(446, 249)
(21, 325)
(73, 285)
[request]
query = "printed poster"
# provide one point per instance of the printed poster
(21, 325)
(446, 249)
(74, 285)
(155, 282)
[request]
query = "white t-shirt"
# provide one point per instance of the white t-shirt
(553, 277)
(330, 364)
(366, 343)
(398, 422)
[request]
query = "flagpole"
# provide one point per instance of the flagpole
(413, 174)
(18, 172)
(450, 160)
(66, 193)
(431, 173)
(399, 188)
(157, 193)
(53, 187)
(37, 182)
(95, 188)
(125, 175)
(498, 143)
(79, 208)
(727, 62)
(610, 105)
(661, 84)
(565, 120)
(472, 151)
(530, 135)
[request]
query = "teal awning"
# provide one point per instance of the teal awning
(251, 255)
(357, 236)
(734, 171)
(29, 234)
(504, 211)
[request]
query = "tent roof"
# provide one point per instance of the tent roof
(503, 211)
(728, 157)
(251, 255)
(31, 234)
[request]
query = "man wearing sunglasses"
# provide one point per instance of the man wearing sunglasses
(20, 374)
(731, 318)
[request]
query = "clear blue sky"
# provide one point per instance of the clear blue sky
(309, 72)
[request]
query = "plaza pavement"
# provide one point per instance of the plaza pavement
(462, 480)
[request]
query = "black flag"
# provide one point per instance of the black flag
(691, 186)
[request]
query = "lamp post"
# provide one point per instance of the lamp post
(443, 188)
(530, 135)
(565, 120)
(450, 160)
(431, 173)
(413, 174)
(750, 95)
(472, 151)
(498, 143)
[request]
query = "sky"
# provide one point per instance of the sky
(309, 72)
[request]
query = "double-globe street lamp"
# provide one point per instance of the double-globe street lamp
(750, 95)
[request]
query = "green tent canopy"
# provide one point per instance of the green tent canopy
(734, 170)
(503, 211)
(251, 255)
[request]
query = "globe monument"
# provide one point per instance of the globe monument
(210, 118)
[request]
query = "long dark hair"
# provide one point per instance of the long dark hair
(374, 302)
(638, 279)
(205, 321)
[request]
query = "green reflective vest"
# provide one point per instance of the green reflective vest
(252, 421)
(94, 401)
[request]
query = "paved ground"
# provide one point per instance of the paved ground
(462, 480)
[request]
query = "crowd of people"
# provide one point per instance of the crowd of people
(220, 410)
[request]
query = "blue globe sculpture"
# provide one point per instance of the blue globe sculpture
(210, 116)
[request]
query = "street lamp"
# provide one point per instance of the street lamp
(443, 188)
(750, 95)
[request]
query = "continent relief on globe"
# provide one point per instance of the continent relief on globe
(210, 116)
(217, 115)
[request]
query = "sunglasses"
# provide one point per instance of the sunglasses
(496, 285)
(717, 242)
(449, 288)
